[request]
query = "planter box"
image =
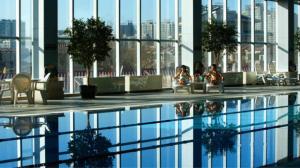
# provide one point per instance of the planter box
(109, 84)
(233, 78)
(249, 78)
(143, 83)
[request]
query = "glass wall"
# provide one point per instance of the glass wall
(232, 20)
(271, 32)
(8, 37)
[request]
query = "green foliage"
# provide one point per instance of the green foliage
(297, 40)
(89, 41)
(217, 38)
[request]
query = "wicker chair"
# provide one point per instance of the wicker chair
(4, 87)
(176, 86)
(41, 86)
(21, 83)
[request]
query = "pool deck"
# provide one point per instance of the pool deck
(75, 103)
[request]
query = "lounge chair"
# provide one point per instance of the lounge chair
(176, 86)
(4, 87)
(260, 74)
(21, 83)
(41, 86)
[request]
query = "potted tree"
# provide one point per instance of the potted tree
(89, 42)
(217, 38)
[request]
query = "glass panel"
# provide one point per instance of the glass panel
(107, 12)
(271, 21)
(128, 19)
(63, 64)
(259, 21)
(148, 14)
(246, 21)
(8, 18)
(271, 55)
(7, 57)
(128, 58)
(217, 10)
(148, 58)
(259, 57)
(167, 27)
(246, 57)
(83, 9)
(232, 9)
(63, 16)
(26, 18)
(107, 67)
(232, 62)
(26, 56)
(167, 58)
(79, 74)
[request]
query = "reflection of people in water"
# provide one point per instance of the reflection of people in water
(89, 149)
(198, 108)
(183, 109)
(214, 106)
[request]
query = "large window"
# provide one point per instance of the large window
(271, 32)
(232, 19)
(217, 10)
(7, 37)
(148, 17)
(167, 25)
(63, 57)
(246, 21)
(128, 19)
(259, 21)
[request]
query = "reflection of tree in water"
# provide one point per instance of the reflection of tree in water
(89, 149)
(218, 138)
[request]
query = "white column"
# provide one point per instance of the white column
(177, 61)
(282, 39)
(252, 34)
(71, 72)
(225, 22)
(239, 49)
(187, 34)
(265, 37)
(225, 121)
(158, 19)
(118, 37)
(95, 15)
(138, 34)
(209, 9)
(18, 35)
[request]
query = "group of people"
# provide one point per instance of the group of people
(212, 77)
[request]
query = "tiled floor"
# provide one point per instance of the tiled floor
(133, 99)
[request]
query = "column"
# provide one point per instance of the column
(284, 35)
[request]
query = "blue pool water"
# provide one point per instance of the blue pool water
(245, 132)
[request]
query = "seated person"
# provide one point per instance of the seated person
(213, 77)
(183, 77)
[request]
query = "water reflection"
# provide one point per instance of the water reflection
(183, 109)
(90, 149)
(214, 107)
(22, 126)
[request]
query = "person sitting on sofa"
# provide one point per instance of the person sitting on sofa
(214, 78)
(183, 76)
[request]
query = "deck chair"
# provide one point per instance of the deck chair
(4, 87)
(21, 83)
(176, 86)
(41, 86)
(260, 74)
(208, 86)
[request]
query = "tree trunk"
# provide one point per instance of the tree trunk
(88, 75)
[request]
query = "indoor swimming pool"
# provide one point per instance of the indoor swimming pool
(240, 132)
